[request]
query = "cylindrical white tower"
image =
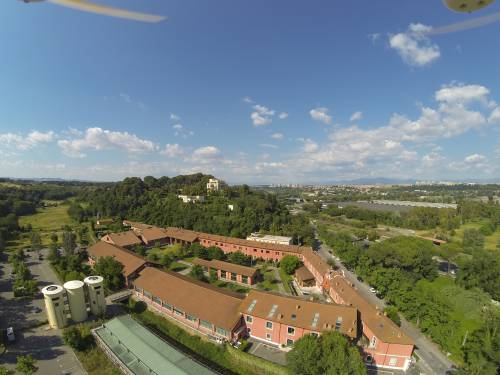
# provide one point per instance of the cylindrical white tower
(76, 300)
(54, 305)
(95, 289)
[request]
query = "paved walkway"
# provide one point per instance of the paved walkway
(433, 361)
(277, 276)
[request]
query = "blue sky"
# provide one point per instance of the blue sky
(250, 91)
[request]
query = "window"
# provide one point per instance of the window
(167, 306)
(268, 336)
(222, 331)
(393, 361)
(373, 342)
(233, 276)
(267, 251)
(269, 325)
(205, 324)
(178, 312)
(223, 274)
(289, 342)
(249, 319)
(191, 318)
(291, 331)
(244, 279)
(157, 300)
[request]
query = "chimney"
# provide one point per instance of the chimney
(297, 307)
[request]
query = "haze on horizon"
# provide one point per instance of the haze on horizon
(254, 92)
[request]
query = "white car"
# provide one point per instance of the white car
(373, 290)
(10, 334)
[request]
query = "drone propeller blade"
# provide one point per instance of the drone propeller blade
(466, 25)
(108, 11)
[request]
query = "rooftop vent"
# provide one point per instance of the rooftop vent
(297, 307)
(273, 311)
(294, 316)
(252, 305)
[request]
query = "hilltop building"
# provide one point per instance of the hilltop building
(213, 185)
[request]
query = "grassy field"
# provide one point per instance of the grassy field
(46, 221)
(177, 267)
(490, 242)
(286, 279)
(231, 286)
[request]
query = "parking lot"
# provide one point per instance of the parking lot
(26, 316)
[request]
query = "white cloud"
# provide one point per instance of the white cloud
(475, 158)
(495, 116)
(181, 131)
(277, 136)
(414, 47)
(23, 143)
(261, 115)
(248, 99)
(174, 117)
(283, 115)
(268, 145)
(172, 150)
(321, 114)
(206, 152)
(433, 160)
(374, 37)
(101, 139)
(356, 116)
(462, 94)
(309, 145)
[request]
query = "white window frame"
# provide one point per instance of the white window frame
(249, 319)
(288, 331)
(271, 323)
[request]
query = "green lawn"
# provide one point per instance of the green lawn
(286, 279)
(231, 286)
(177, 267)
(269, 283)
(490, 242)
(48, 219)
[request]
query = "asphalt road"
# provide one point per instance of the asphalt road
(44, 344)
(432, 361)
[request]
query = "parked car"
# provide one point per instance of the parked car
(10, 334)
(373, 290)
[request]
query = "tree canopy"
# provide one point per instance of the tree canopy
(331, 353)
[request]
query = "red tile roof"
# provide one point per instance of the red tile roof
(131, 262)
(194, 297)
(122, 239)
(226, 266)
(297, 312)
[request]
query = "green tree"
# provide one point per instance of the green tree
(197, 273)
(53, 253)
(36, 242)
(5, 371)
(473, 240)
(214, 252)
(77, 337)
(289, 264)
(331, 354)
(69, 243)
(26, 364)
(392, 313)
(111, 270)
(213, 276)
(239, 258)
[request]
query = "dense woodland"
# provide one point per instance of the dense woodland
(155, 201)
(23, 198)
(457, 314)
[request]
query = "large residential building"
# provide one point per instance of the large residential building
(272, 317)
(197, 305)
(213, 185)
(266, 251)
(128, 239)
(386, 345)
(283, 320)
(132, 263)
(230, 271)
(267, 238)
(191, 198)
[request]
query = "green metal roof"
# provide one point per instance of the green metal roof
(142, 351)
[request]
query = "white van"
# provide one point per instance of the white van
(10, 334)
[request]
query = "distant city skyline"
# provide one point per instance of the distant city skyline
(260, 93)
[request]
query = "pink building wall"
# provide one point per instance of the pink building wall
(277, 335)
(254, 251)
(195, 325)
